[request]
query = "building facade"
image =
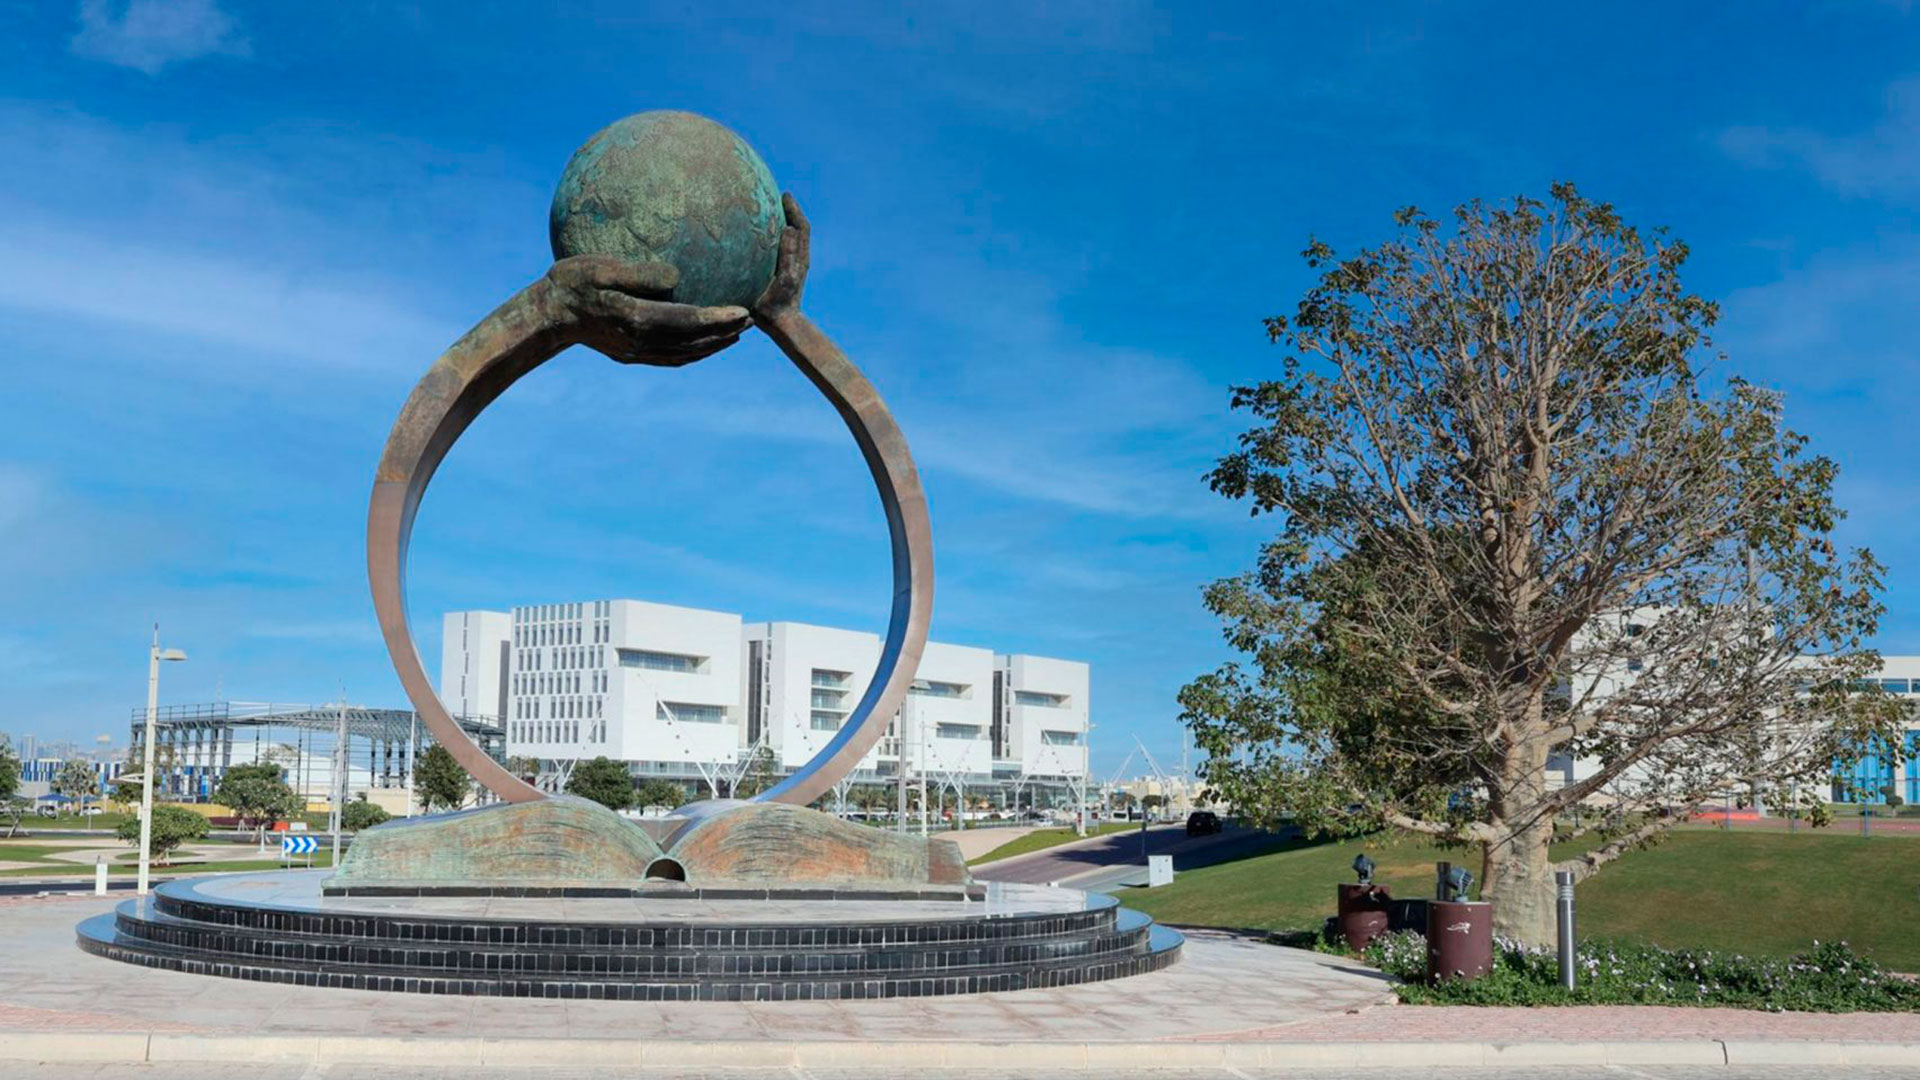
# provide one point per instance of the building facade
(686, 693)
(1870, 779)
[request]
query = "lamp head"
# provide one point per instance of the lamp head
(1363, 866)
(173, 654)
(1459, 881)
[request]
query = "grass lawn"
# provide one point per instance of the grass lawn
(121, 861)
(106, 819)
(1041, 839)
(1754, 892)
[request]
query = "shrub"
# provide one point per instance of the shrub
(603, 780)
(172, 826)
(1828, 977)
(361, 814)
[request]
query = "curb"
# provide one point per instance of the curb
(156, 1046)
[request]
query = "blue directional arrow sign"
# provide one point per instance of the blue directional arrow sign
(299, 845)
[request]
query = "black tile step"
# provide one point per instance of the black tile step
(264, 946)
(639, 936)
(99, 936)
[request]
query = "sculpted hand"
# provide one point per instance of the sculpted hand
(790, 274)
(624, 310)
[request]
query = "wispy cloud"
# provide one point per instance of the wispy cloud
(1881, 160)
(257, 306)
(147, 35)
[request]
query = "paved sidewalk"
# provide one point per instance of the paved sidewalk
(1232, 1004)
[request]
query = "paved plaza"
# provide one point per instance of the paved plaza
(257, 1071)
(1232, 1007)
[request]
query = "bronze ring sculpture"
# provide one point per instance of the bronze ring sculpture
(620, 308)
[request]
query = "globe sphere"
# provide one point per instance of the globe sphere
(678, 188)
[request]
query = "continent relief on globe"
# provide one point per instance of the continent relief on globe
(676, 188)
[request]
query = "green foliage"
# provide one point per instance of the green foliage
(603, 780)
(77, 780)
(361, 814)
(1828, 977)
(124, 794)
(12, 803)
(759, 774)
(172, 826)
(257, 794)
(440, 781)
(9, 770)
(1491, 442)
(659, 792)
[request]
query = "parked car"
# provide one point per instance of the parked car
(1203, 823)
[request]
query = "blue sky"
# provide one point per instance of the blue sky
(232, 236)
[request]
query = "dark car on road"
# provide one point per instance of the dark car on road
(1203, 823)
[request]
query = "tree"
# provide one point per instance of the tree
(525, 768)
(258, 795)
(124, 793)
(438, 780)
(76, 779)
(172, 826)
(603, 780)
(658, 792)
(1517, 518)
(361, 814)
(758, 775)
(11, 802)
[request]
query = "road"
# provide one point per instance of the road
(1110, 861)
(35, 886)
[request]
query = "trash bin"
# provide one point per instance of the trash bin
(1459, 940)
(1362, 913)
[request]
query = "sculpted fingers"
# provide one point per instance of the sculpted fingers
(584, 273)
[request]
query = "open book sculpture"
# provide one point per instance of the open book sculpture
(570, 846)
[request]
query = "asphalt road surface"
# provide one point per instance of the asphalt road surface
(1116, 859)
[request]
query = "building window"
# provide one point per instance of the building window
(661, 661)
(1060, 738)
(956, 731)
(829, 699)
(929, 688)
(832, 680)
(692, 714)
(826, 721)
(1044, 701)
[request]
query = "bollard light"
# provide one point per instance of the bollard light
(1563, 879)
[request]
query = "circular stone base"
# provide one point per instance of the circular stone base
(278, 927)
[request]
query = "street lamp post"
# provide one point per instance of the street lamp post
(154, 655)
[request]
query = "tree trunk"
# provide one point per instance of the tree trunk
(1518, 876)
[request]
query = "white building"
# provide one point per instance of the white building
(687, 693)
(1870, 777)
(647, 683)
(474, 664)
(1043, 714)
(802, 683)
